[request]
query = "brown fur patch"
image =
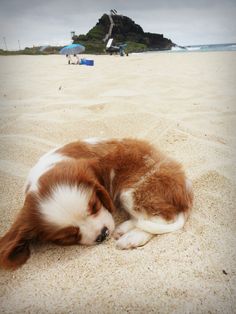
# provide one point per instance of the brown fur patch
(164, 191)
(66, 236)
(14, 245)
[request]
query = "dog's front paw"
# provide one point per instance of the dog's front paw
(117, 234)
(133, 239)
(123, 228)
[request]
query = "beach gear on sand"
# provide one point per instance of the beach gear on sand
(89, 62)
(72, 49)
(110, 48)
(86, 62)
(75, 49)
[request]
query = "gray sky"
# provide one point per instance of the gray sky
(185, 22)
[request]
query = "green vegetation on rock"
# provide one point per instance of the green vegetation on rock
(126, 31)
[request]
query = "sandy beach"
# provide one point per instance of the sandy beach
(182, 102)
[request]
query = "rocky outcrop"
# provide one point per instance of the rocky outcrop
(125, 30)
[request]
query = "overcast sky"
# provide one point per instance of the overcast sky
(185, 22)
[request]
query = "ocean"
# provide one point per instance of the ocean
(216, 47)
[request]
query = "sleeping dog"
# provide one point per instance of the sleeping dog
(72, 192)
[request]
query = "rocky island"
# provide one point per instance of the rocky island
(124, 30)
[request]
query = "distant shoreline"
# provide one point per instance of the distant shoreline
(35, 51)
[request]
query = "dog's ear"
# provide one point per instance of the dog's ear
(14, 245)
(101, 192)
(105, 198)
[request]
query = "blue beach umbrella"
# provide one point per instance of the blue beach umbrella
(72, 49)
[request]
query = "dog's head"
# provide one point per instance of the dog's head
(70, 206)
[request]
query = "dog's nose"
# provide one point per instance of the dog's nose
(103, 235)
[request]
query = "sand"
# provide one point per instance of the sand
(182, 102)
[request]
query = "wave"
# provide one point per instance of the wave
(211, 47)
(178, 48)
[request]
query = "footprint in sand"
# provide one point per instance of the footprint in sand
(95, 108)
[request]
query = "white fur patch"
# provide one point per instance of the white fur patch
(67, 205)
(133, 239)
(126, 198)
(159, 226)
(189, 185)
(94, 140)
(45, 163)
(123, 228)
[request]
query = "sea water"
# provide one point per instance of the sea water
(216, 47)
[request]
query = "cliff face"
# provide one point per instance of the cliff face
(124, 30)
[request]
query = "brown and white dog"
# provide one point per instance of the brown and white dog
(72, 191)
